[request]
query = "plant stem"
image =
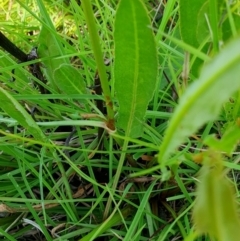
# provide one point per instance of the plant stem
(95, 41)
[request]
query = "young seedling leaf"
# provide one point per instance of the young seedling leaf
(215, 211)
(135, 65)
(69, 80)
(17, 112)
(202, 101)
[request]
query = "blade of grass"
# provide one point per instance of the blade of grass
(33, 212)
(140, 212)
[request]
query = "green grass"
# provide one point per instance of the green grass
(61, 180)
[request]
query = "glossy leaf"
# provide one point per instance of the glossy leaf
(202, 101)
(135, 64)
(17, 112)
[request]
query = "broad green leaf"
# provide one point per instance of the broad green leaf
(202, 30)
(69, 80)
(135, 64)
(206, 14)
(59, 70)
(189, 19)
(202, 101)
(50, 46)
(194, 28)
(215, 211)
(50, 50)
(17, 112)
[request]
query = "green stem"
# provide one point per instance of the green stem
(95, 41)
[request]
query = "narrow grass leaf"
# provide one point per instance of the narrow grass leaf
(17, 112)
(167, 16)
(202, 101)
(135, 65)
(140, 212)
(109, 223)
(6, 235)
